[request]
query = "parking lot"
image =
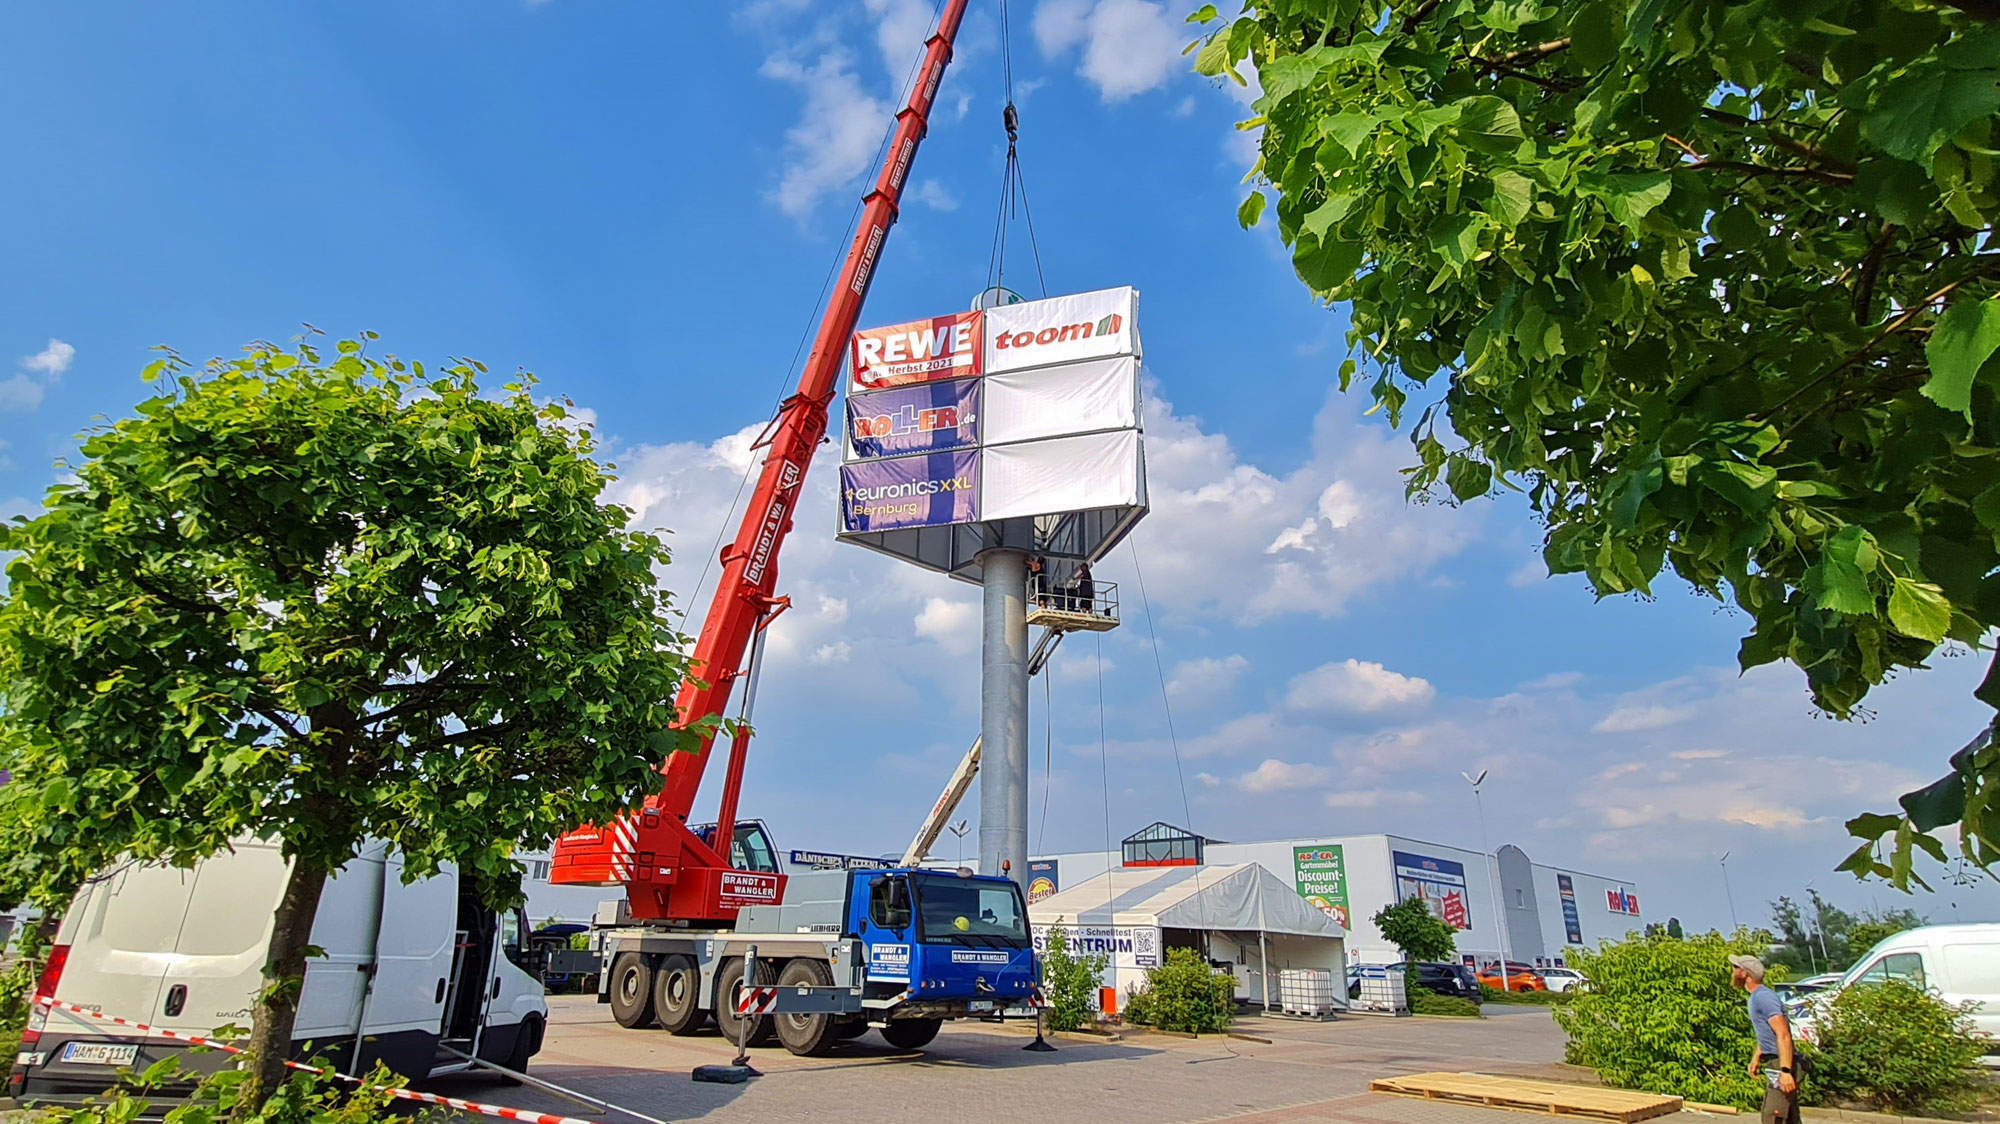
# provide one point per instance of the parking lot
(1307, 1072)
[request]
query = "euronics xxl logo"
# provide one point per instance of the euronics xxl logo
(1063, 334)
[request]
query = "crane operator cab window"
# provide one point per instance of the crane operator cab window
(750, 850)
(961, 911)
(889, 902)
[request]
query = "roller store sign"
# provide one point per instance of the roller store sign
(921, 491)
(925, 418)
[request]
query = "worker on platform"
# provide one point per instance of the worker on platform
(1082, 591)
(1038, 585)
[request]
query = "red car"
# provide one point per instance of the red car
(1520, 977)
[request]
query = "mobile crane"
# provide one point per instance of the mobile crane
(900, 949)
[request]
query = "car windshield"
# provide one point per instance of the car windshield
(970, 912)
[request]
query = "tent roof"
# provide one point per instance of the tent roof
(1241, 898)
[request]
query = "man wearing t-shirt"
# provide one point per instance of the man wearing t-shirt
(1774, 1041)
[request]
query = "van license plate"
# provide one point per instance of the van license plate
(100, 1053)
(980, 1005)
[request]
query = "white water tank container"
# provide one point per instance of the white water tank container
(1306, 991)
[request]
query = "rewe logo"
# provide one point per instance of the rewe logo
(940, 348)
(1108, 326)
(908, 420)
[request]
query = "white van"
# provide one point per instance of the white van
(1959, 962)
(420, 969)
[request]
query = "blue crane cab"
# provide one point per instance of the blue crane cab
(951, 944)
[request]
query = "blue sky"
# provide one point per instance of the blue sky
(640, 202)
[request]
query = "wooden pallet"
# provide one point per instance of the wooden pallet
(1525, 1095)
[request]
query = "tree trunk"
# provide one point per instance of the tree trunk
(277, 1004)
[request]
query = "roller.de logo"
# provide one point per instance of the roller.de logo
(909, 420)
(942, 347)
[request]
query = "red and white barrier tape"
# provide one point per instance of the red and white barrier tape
(405, 1094)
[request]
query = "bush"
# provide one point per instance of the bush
(1424, 1001)
(303, 1098)
(1183, 994)
(1490, 994)
(1897, 1048)
(1661, 1016)
(1071, 981)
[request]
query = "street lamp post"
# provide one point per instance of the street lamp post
(1493, 874)
(1727, 896)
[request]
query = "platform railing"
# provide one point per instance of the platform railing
(1055, 603)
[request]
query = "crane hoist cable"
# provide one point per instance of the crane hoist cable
(1013, 186)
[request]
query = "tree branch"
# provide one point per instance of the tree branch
(1527, 55)
(1416, 17)
(1871, 266)
(1554, 85)
(176, 601)
(278, 719)
(1789, 144)
(463, 736)
(1763, 170)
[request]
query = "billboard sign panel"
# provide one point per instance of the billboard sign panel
(1044, 878)
(941, 347)
(1621, 901)
(1320, 874)
(1080, 326)
(924, 418)
(1136, 946)
(921, 491)
(1572, 924)
(1438, 883)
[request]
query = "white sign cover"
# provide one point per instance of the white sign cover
(1058, 401)
(1093, 325)
(1061, 474)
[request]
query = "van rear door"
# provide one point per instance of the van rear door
(1972, 973)
(217, 965)
(121, 931)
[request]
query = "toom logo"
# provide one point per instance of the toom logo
(1620, 901)
(943, 347)
(1018, 341)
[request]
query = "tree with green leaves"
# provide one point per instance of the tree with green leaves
(1415, 931)
(1714, 283)
(327, 598)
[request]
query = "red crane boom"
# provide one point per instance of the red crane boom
(670, 873)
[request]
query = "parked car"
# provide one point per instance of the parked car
(1960, 963)
(1520, 977)
(1455, 980)
(1562, 979)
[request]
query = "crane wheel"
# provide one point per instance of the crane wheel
(854, 1027)
(808, 1036)
(727, 981)
(911, 1034)
(632, 991)
(677, 995)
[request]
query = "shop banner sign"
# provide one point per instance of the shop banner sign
(1063, 329)
(1044, 878)
(941, 347)
(1135, 946)
(1438, 883)
(1572, 924)
(1320, 874)
(926, 418)
(920, 491)
(1620, 901)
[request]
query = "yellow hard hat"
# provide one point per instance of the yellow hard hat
(961, 924)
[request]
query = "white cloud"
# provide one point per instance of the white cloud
(900, 33)
(1227, 536)
(838, 133)
(1700, 754)
(1532, 572)
(1129, 46)
(20, 395)
(52, 360)
(1372, 798)
(1205, 681)
(934, 195)
(840, 651)
(1357, 687)
(1632, 719)
(1554, 681)
(1276, 776)
(1081, 668)
(954, 625)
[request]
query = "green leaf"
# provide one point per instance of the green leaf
(1640, 21)
(1348, 130)
(1489, 124)
(1936, 804)
(1966, 336)
(1920, 111)
(1324, 267)
(1920, 610)
(1326, 214)
(1513, 196)
(1843, 589)
(1468, 479)
(1630, 196)
(1456, 237)
(1251, 210)
(1202, 14)
(1872, 825)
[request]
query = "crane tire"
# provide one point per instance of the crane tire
(632, 991)
(677, 995)
(808, 1036)
(911, 1034)
(726, 1019)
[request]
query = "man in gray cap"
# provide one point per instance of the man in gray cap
(1774, 1041)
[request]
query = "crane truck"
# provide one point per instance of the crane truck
(901, 949)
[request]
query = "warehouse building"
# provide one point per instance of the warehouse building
(1548, 911)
